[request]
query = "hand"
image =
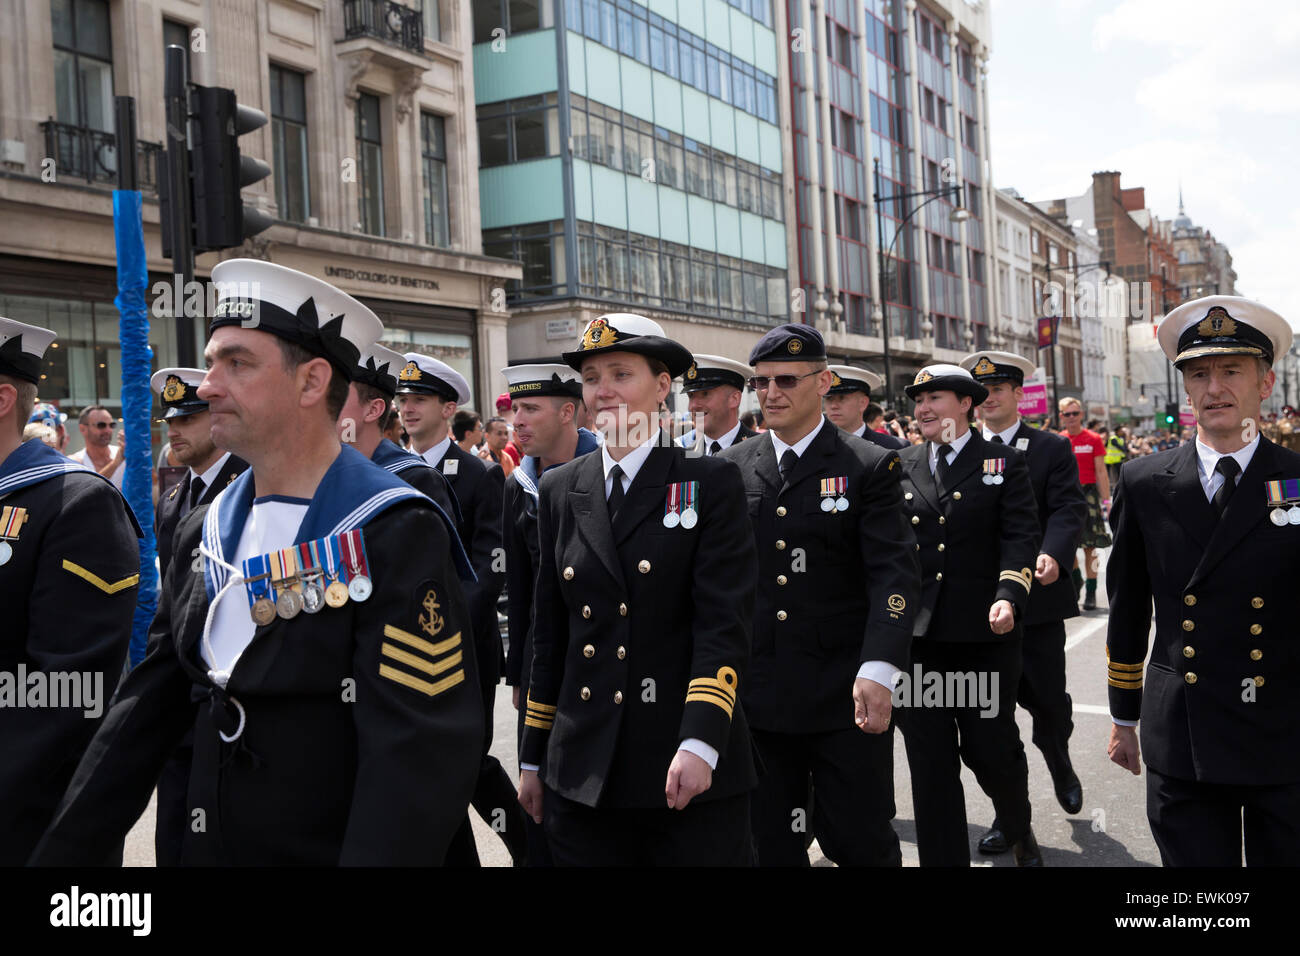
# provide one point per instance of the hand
(530, 794)
(514, 696)
(689, 775)
(1105, 509)
(1002, 618)
(1047, 570)
(121, 439)
(872, 704)
(1123, 748)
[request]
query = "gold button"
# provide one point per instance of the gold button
(1257, 602)
(585, 693)
(781, 579)
(618, 697)
(918, 547)
(916, 519)
(1189, 651)
(1256, 629)
(621, 652)
(643, 566)
(1190, 677)
(568, 574)
(780, 511)
(939, 576)
(1259, 682)
(941, 546)
(781, 615)
(586, 611)
(780, 545)
(588, 651)
(942, 520)
(1256, 654)
(622, 609)
(1189, 625)
(956, 496)
(907, 496)
(1190, 600)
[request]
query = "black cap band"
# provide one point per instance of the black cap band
(14, 361)
(1220, 334)
(302, 328)
(564, 388)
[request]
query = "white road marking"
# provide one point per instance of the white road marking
(1087, 632)
(1090, 709)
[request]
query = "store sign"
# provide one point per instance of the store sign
(380, 278)
(559, 329)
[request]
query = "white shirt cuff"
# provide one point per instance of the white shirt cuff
(529, 766)
(1123, 723)
(882, 672)
(702, 750)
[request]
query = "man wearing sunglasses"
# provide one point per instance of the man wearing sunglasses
(1090, 455)
(100, 454)
(839, 584)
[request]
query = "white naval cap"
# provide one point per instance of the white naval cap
(710, 371)
(1224, 325)
(998, 366)
(945, 377)
(849, 378)
(547, 379)
(629, 332)
(177, 389)
(426, 375)
(22, 347)
(295, 306)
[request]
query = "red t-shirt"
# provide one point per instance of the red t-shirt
(1087, 446)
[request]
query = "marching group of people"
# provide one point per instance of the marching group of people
(708, 635)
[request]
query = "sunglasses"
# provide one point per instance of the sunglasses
(1071, 414)
(759, 383)
(105, 424)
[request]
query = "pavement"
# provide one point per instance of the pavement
(1110, 830)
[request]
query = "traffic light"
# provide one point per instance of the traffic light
(1171, 415)
(219, 170)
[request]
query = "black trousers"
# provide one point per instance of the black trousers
(172, 816)
(712, 833)
(852, 776)
(939, 738)
(1042, 693)
(1205, 824)
(538, 852)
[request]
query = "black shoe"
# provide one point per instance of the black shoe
(1090, 602)
(994, 842)
(1026, 850)
(1070, 796)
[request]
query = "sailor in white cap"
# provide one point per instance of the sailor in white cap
(69, 570)
(1210, 532)
(1061, 513)
(325, 624)
(972, 508)
(428, 393)
(714, 386)
(848, 404)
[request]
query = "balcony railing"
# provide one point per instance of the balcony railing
(385, 20)
(91, 154)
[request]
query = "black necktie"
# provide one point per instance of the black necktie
(1228, 468)
(196, 491)
(615, 491)
(941, 463)
(997, 440)
(714, 448)
(788, 461)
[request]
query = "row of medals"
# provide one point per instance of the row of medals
(1284, 516)
(687, 519)
(992, 479)
(830, 504)
(289, 603)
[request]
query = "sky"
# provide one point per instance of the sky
(1165, 91)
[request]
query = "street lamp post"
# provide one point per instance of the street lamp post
(1085, 267)
(959, 214)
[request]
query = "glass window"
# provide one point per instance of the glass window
(578, 130)
(493, 141)
(530, 135)
(626, 37)
(698, 176)
(704, 291)
(487, 17)
(370, 165)
(668, 159)
(608, 25)
(591, 19)
(178, 34)
(289, 143)
(433, 150)
(83, 66)
(527, 14)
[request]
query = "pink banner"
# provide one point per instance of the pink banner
(1035, 400)
(1187, 418)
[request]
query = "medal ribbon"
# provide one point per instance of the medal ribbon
(308, 560)
(673, 503)
(690, 487)
(826, 488)
(11, 521)
(256, 567)
(354, 549)
(1283, 492)
(841, 485)
(284, 565)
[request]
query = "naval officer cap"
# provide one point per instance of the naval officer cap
(627, 332)
(378, 367)
(710, 371)
(789, 343)
(1223, 325)
(296, 307)
(178, 391)
(22, 349)
(943, 377)
(531, 381)
(846, 379)
(426, 375)
(986, 367)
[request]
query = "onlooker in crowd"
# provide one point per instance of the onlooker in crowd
(100, 454)
(47, 414)
(494, 444)
(467, 430)
(1090, 456)
(506, 412)
(1117, 452)
(44, 432)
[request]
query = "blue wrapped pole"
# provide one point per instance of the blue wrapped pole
(137, 399)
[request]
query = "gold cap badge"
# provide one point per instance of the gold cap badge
(410, 373)
(174, 391)
(599, 335)
(985, 367)
(692, 371)
(1216, 322)
(836, 380)
(922, 376)
(794, 346)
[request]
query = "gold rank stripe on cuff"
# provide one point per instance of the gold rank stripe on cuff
(709, 696)
(1124, 676)
(1125, 684)
(432, 659)
(1024, 577)
(129, 581)
(540, 716)
(719, 691)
